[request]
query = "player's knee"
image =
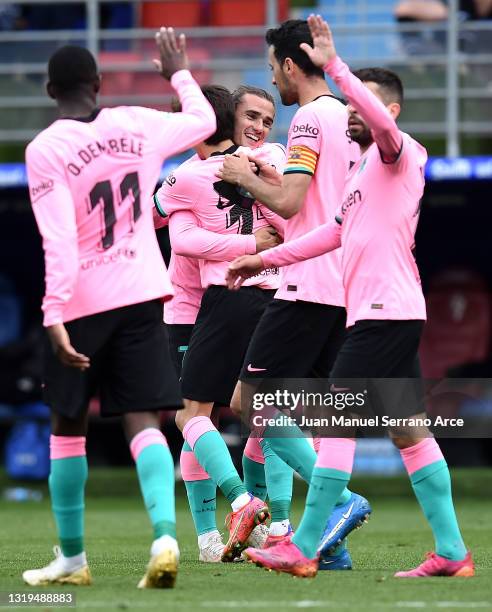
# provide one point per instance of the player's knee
(405, 441)
(180, 420)
(63, 426)
(236, 400)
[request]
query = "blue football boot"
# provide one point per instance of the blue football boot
(338, 561)
(342, 521)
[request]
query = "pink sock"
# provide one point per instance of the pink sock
(420, 455)
(195, 428)
(336, 454)
(145, 438)
(190, 468)
(253, 450)
(62, 447)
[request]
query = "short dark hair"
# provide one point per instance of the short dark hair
(70, 68)
(239, 93)
(389, 82)
(220, 99)
(286, 40)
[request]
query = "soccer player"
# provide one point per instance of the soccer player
(310, 303)
(91, 176)
(375, 225)
(254, 116)
(224, 326)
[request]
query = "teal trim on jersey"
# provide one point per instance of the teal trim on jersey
(298, 171)
(158, 207)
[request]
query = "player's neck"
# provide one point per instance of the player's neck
(204, 151)
(312, 88)
(80, 107)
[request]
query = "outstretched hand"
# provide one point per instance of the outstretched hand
(242, 268)
(172, 53)
(323, 49)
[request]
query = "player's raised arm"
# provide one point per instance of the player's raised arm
(378, 117)
(196, 121)
(323, 239)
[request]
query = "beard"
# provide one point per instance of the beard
(361, 135)
(287, 94)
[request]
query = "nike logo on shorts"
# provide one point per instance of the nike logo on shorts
(250, 368)
(335, 389)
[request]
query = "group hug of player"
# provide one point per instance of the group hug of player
(339, 209)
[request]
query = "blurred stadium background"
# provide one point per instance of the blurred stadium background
(446, 67)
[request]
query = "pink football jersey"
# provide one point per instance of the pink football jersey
(376, 221)
(194, 187)
(91, 184)
(318, 145)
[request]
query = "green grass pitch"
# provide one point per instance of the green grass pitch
(119, 536)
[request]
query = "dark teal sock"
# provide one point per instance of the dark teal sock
(279, 478)
(254, 477)
(67, 483)
(432, 486)
(213, 455)
(324, 490)
(290, 444)
(202, 497)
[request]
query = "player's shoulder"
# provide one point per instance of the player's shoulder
(414, 148)
(48, 139)
(186, 172)
(271, 149)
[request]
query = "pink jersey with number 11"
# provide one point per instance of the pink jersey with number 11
(91, 184)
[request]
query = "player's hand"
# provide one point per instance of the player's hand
(172, 52)
(60, 341)
(266, 172)
(323, 49)
(235, 169)
(266, 238)
(242, 268)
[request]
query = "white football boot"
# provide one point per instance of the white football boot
(163, 565)
(62, 570)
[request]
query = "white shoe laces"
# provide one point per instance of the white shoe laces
(258, 536)
(214, 547)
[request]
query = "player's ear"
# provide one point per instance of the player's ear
(97, 83)
(288, 65)
(394, 109)
(50, 90)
